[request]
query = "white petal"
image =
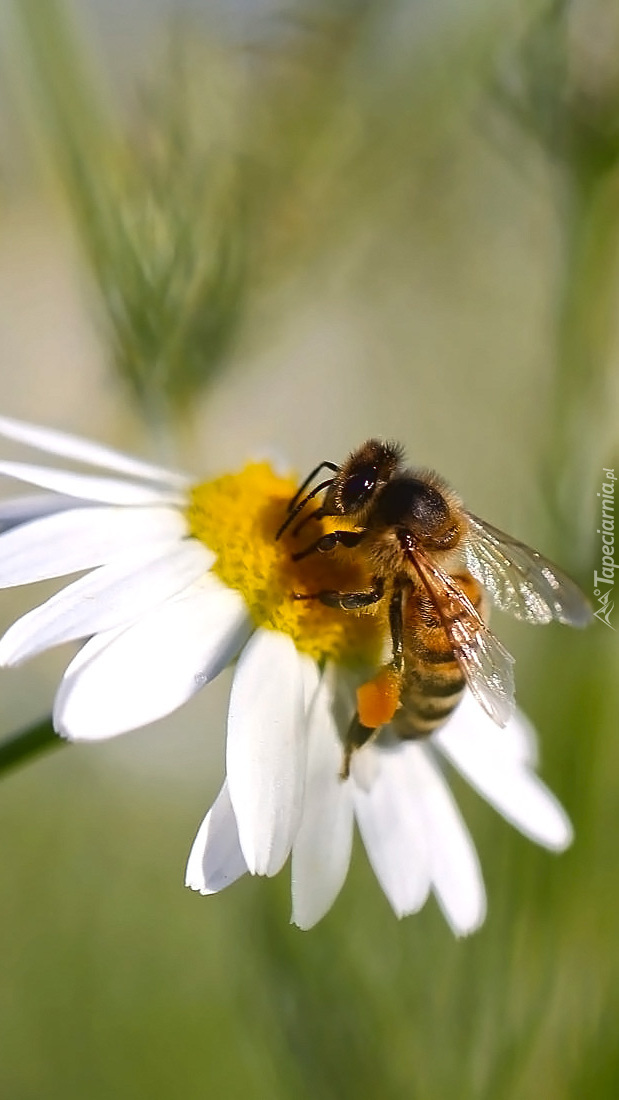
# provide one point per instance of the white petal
(18, 510)
(101, 490)
(321, 850)
(364, 769)
(83, 450)
(454, 867)
(82, 539)
(511, 787)
(153, 667)
(86, 655)
(311, 681)
(517, 742)
(266, 749)
(216, 860)
(109, 597)
(394, 830)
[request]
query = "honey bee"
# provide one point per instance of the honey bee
(436, 565)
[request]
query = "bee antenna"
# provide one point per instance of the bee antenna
(310, 477)
(301, 504)
(316, 514)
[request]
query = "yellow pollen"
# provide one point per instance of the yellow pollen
(379, 698)
(237, 516)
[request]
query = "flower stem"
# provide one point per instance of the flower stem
(19, 747)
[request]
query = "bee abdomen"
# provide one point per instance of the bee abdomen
(433, 682)
(428, 700)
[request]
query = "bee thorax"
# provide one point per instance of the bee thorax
(411, 503)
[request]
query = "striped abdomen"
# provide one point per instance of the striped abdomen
(432, 681)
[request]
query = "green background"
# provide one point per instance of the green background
(248, 230)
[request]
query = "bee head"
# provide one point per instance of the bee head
(365, 471)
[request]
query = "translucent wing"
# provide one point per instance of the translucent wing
(520, 580)
(486, 664)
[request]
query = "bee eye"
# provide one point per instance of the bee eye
(358, 488)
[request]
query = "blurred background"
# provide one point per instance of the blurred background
(235, 227)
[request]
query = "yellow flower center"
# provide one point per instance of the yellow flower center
(237, 517)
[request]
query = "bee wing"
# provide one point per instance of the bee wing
(488, 669)
(520, 580)
(486, 664)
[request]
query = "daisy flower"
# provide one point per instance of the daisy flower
(178, 580)
(414, 835)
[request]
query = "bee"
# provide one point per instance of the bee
(436, 565)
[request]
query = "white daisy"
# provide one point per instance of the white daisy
(182, 579)
(414, 835)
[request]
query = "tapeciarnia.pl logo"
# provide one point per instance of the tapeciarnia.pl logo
(604, 582)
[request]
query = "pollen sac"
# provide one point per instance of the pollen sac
(378, 698)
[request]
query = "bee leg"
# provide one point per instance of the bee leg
(396, 627)
(347, 601)
(358, 735)
(349, 539)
